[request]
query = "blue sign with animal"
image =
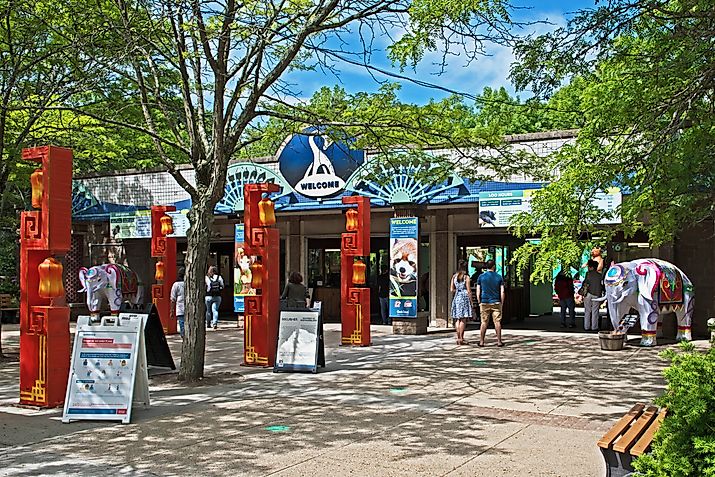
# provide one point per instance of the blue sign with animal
(403, 267)
(315, 165)
(654, 288)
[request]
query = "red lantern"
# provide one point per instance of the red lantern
(167, 225)
(256, 275)
(159, 273)
(359, 272)
(266, 212)
(51, 285)
(351, 223)
(37, 188)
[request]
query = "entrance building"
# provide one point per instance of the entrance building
(111, 221)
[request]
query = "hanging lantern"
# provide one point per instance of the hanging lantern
(159, 273)
(266, 212)
(351, 220)
(51, 285)
(167, 225)
(256, 275)
(37, 188)
(359, 272)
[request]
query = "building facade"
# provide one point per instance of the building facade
(111, 219)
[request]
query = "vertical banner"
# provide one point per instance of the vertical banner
(403, 267)
(242, 271)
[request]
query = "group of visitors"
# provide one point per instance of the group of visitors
(490, 297)
(295, 295)
(591, 290)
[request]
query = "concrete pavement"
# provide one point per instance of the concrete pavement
(405, 406)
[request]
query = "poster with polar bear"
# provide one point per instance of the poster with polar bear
(403, 267)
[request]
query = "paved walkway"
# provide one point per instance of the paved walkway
(405, 406)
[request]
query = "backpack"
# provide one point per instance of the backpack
(215, 287)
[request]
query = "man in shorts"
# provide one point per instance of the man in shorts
(490, 295)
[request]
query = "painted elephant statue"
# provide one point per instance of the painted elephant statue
(654, 288)
(116, 283)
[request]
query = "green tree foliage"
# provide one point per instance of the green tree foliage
(207, 75)
(645, 86)
(684, 445)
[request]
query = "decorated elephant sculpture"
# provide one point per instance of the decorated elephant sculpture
(116, 283)
(654, 288)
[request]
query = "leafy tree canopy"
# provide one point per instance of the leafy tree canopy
(644, 71)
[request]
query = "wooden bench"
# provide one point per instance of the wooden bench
(630, 437)
(7, 307)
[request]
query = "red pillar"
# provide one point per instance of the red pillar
(261, 310)
(44, 324)
(355, 301)
(164, 249)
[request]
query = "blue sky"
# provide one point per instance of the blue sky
(491, 70)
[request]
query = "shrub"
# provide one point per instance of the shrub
(685, 443)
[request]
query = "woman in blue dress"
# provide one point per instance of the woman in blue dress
(462, 301)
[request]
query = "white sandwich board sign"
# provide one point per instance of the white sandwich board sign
(108, 372)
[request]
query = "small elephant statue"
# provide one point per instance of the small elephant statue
(653, 287)
(116, 283)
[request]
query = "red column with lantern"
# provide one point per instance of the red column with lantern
(164, 249)
(262, 309)
(44, 316)
(355, 298)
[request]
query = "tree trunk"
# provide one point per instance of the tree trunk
(197, 254)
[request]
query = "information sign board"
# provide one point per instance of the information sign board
(108, 372)
(300, 341)
(496, 208)
(129, 225)
(180, 222)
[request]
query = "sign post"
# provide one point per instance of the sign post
(301, 345)
(108, 372)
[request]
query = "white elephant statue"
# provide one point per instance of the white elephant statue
(116, 283)
(653, 287)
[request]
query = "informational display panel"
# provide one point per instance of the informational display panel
(403, 267)
(242, 275)
(108, 371)
(300, 341)
(180, 222)
(129, 225)
(497, 207)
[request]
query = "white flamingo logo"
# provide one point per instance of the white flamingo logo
(320, 179)
(321, 164)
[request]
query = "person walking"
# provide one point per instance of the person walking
(563, 285)
(295, 293)
(462, 301)
(214, 287)
(490, 294)
(383, 294)
(592, 289)
(176, 309)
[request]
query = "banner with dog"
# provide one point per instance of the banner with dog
(403, 267)
(241, 271)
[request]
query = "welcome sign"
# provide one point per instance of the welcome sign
(403, 267)
(316, 166)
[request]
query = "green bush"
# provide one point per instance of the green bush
(685, 443)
